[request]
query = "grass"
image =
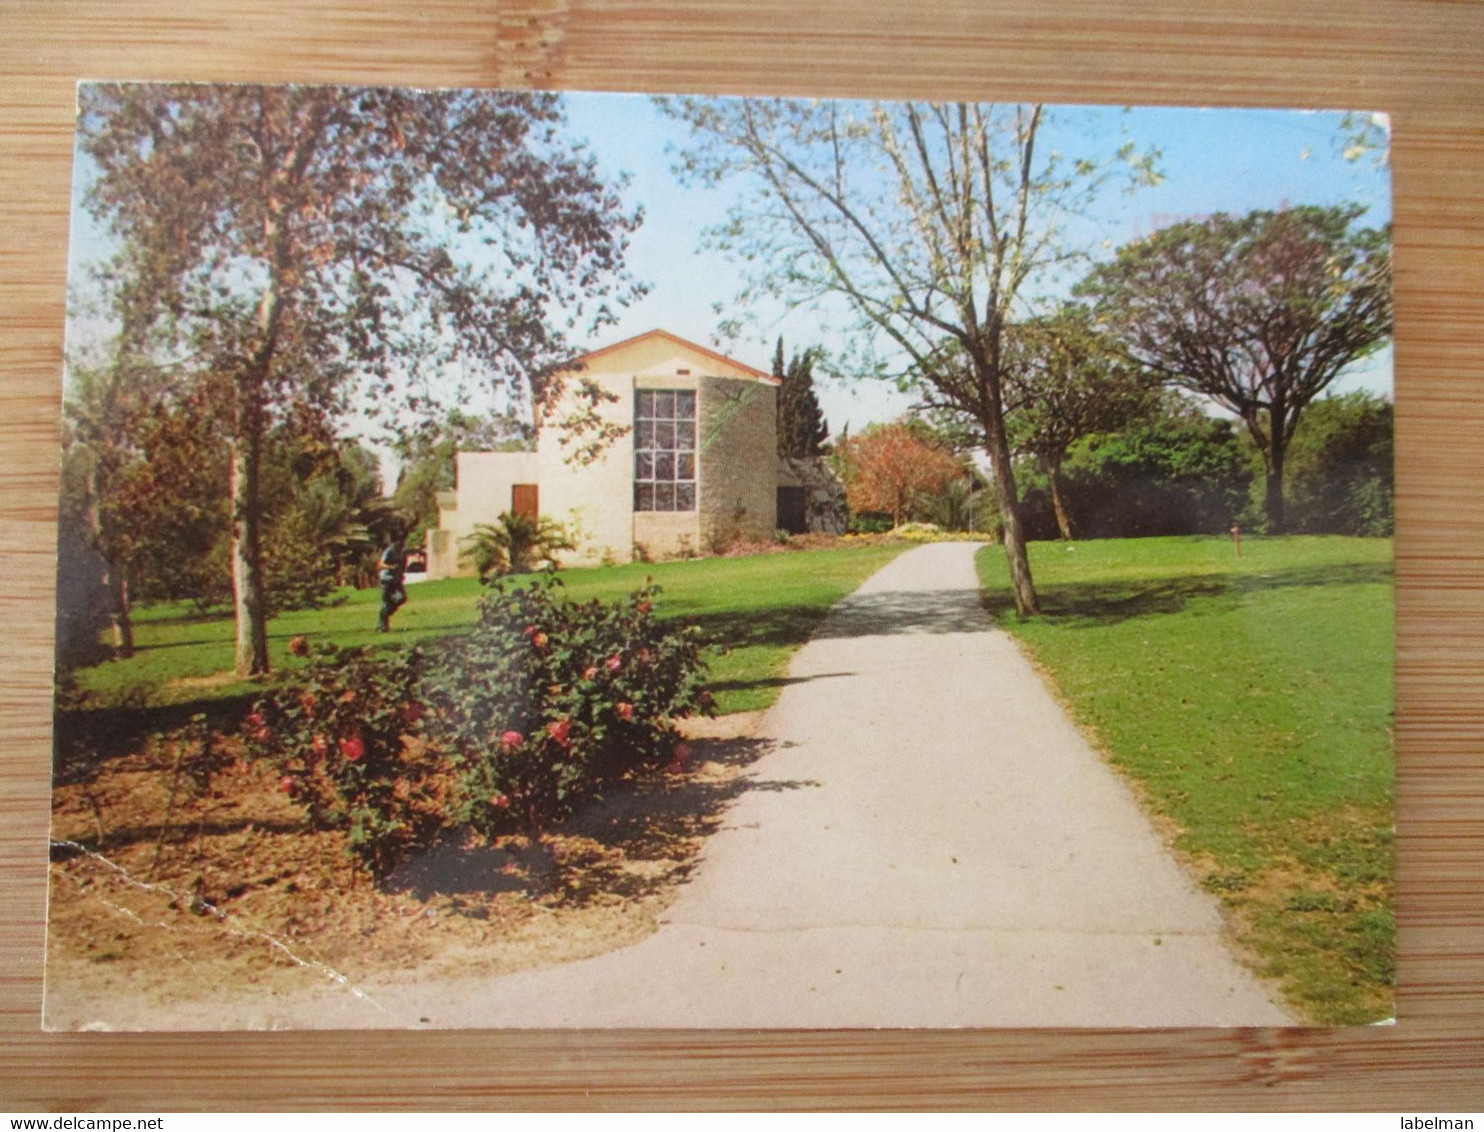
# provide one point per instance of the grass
(1251, 700)
(757, 610)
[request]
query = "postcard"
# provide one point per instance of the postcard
(537, 559)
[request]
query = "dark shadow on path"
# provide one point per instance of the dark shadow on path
(642, 837)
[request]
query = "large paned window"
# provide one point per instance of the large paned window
(665, 450)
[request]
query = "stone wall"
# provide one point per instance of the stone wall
(738, 443)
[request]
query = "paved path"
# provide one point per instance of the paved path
(929, 843)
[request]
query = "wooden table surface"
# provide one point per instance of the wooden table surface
(1422, 61)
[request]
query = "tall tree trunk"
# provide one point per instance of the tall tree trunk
(119, 615)
(998, 448)
(115, 583)
(1058, 504)
(1277, 450)
(247, 557)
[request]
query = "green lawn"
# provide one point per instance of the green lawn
(1251, 698)
(758, 611)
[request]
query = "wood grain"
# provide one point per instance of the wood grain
(1422, 61)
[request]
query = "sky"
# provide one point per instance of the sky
(1212, 160)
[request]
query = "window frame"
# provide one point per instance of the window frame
(660, 446)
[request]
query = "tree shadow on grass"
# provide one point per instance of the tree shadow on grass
(85, 739)
(641, 838)
(1086, 605)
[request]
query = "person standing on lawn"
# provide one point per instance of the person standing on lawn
(393, 565)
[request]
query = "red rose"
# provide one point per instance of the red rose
(299, 646)
(263, 735)
(530, 630)
(256, 719)
(614, 662)
(512, 739)
(561, 731)
(500, 802)
(625, 711)
(354, 748)
(645, 607)
(286, 784)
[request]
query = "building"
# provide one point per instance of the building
(692, 467)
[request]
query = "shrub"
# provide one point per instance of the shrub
(509, 726)
(1340, 476)
(348, 736)
(516, 544)
(547, 699)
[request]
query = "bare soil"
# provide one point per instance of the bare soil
(225, 890)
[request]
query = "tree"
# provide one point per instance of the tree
(324, 515)
(516, 544)
(933, 223)
(144, 469)
(1341, 467)
(292, 237)
(1260, 313)
(1174, 471)
(894, 469)
(802, 430)
(429, 459)
(1064, 383)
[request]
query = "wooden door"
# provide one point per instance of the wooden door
(524, 500)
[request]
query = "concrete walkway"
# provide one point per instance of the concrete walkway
(929, 843)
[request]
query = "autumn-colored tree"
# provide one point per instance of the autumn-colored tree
(291, 237)
(894, 469)
(1260, 313)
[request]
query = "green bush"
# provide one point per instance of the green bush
(1181, 473)
(1340, 471)
(348, 736)
(516, 544)
(508, 727)
(547, 699)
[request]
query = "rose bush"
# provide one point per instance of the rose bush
(587, 692)
(511, 725)
(351, 748)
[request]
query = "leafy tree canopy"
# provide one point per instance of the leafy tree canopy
(291, 239)
(932, 223)
(1260, 313)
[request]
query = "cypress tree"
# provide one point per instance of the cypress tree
(801, 425)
